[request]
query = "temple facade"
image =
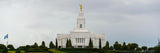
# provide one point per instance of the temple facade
(81, 35)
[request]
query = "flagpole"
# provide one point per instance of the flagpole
(7, 41)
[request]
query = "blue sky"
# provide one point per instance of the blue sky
(130, 21)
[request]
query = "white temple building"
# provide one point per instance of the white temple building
(81, 35)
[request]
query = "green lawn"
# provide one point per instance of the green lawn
(74, 51)
(15, 51)
(56, 51)
(11, 51)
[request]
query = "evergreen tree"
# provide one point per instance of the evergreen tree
(107, 45)
(43, 45)
(56, 43)
(100, 44)
(67, 43)
(35, 45)
(117, 46)
(51, 45)
(90, 43)
(111, 48)
(124, 46)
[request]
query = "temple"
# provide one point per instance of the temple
(81, 35)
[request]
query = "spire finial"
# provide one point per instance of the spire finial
(81, 7)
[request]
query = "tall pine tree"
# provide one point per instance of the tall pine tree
(117, 46)
(90, 43)
(107, 45)
(100, 44)
(43, 45)
(124, 46)
(51, 45)
(56, 43)
(67, 43)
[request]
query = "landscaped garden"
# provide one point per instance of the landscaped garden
(116, 48)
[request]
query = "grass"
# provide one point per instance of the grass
(75, 51)
(56, 51)
(13, 51)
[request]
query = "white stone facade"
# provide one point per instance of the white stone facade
(80, 36)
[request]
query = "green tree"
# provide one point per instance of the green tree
(157, 49)
(111, 48)
(43, 45)
(151, 48)
(23, 48)
(107, 45)
(138, 49)
(90, 43)
(100, 44)
(3, 49)
(51, 45)
(56, 43)
(144, 48)
(35, 45)
(133, 46)
(67, 43)
(28, 46)
(128, 46)
(10, 47)
(117, 46)
(124, 46)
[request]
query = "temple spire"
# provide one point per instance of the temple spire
(81, 19)
(81, 7)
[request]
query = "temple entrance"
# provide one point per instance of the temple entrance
(79, 46)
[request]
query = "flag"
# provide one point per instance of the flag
(6, 36)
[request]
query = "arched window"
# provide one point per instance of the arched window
(80, 25)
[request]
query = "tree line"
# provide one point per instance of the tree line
(116, 46)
